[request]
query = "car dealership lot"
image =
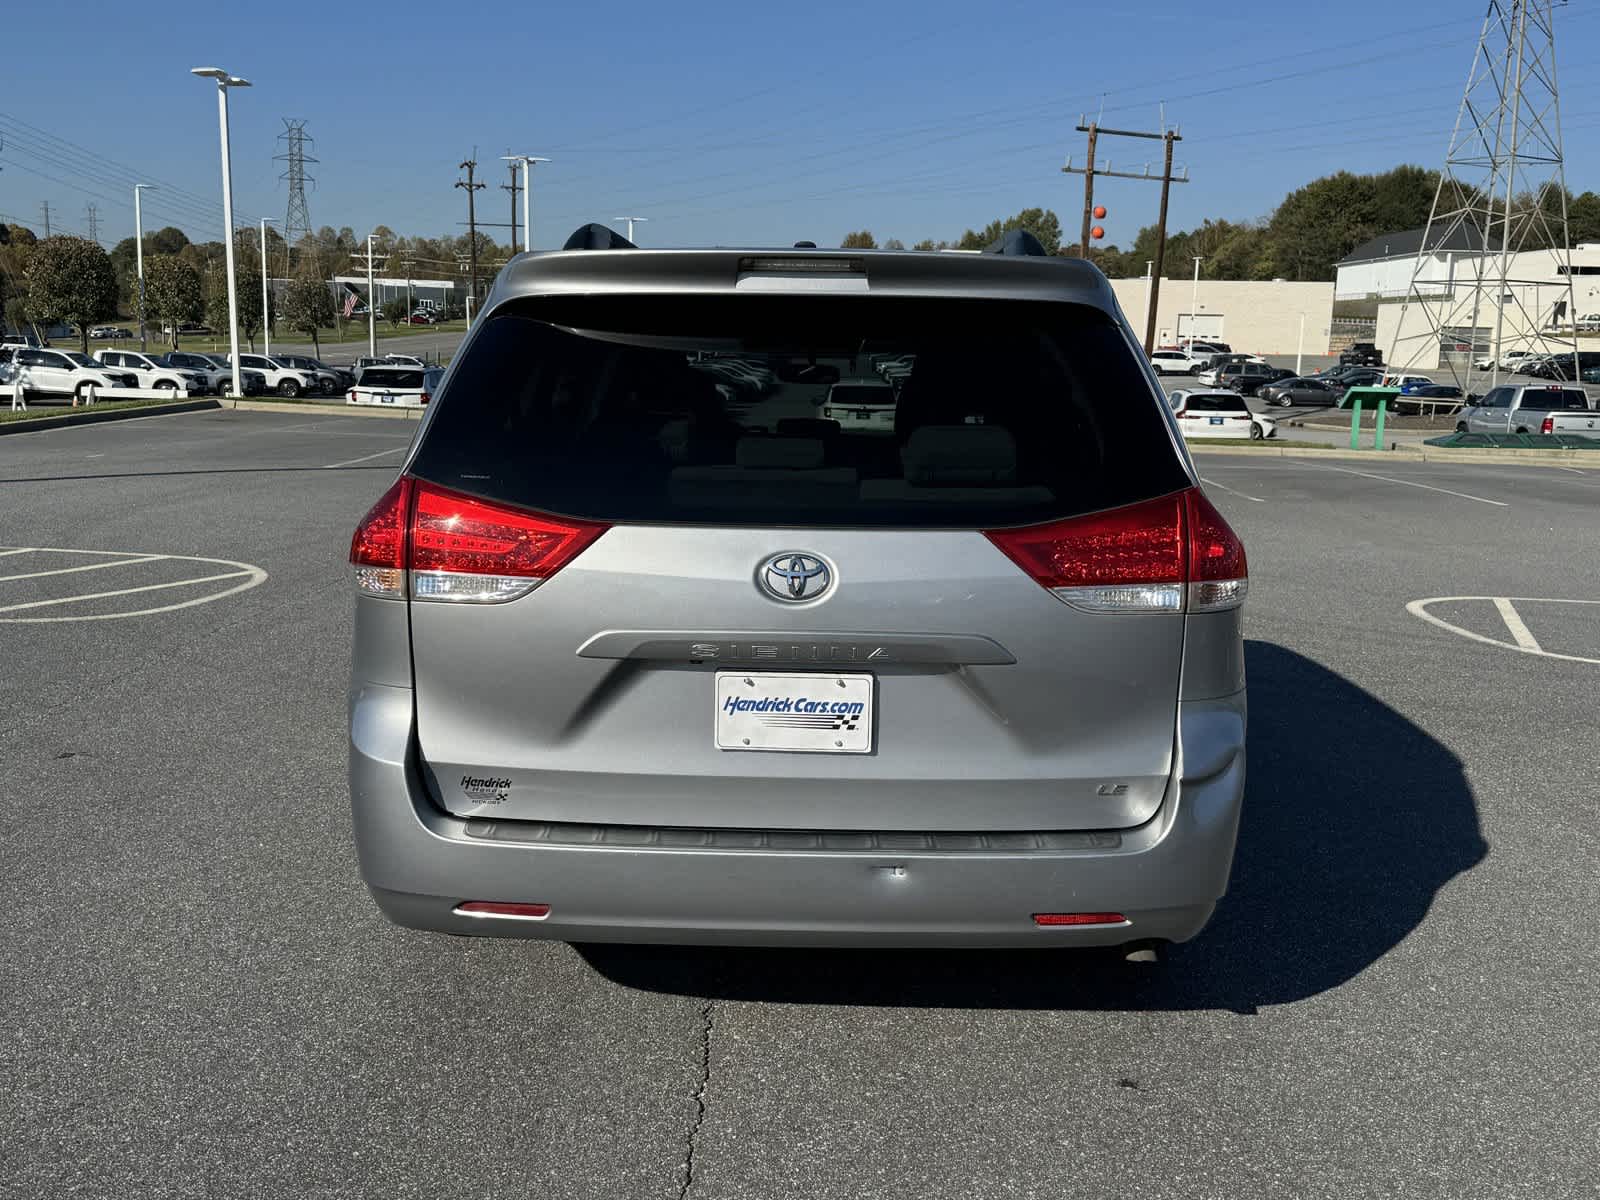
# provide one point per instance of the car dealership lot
(1397, 995)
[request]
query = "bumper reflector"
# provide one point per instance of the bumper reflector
(1106, 918)
(503, 909)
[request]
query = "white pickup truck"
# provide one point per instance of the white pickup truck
(152, 374)
(1532, 408)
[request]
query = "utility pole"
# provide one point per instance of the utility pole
(527, 161)
(513, 187)
(44, 207)
(1167, 179)
(469, 187)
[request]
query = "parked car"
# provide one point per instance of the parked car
(1559, 366)
(101, 333)
(68, 373)
(152, 373)
(287, 381)
(1530, 408)
(561, 725)
(252, 383)
(1402, 381)
(863, 405)
(1210, 373)
(1508, 361)
(329, 380)
(420, 318)
(409, 360)
(1246, 377)
(1300, 390)
(20, 339)
(1589, 323)
(1361, 354)
(1590, 375)
(1174, 362)
(390, 387)
(1218, 414)
(1410, 399)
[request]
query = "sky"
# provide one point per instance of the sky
(735, 123)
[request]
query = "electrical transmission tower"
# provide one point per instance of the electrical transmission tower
(297, 220)
(1494, 271)
(92, 216)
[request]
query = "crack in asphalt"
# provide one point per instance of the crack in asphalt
(686, 1170)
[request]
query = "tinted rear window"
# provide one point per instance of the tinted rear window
(709, 410)
(1546, 399)
(388, 377)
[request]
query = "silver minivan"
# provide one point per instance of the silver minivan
(642, 654)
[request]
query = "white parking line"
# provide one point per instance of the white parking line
(1230, 490)
(350, 462)
(1427, 487)
(149, 587)
(1520, 632)
(1419, 608)
(100, 566)
(18, 550)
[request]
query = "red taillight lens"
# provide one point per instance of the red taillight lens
(426, 397)
(351, 395)
(1158, 555)
(464, 548)
(1549, 425)
(378, 549)
(1100, 918)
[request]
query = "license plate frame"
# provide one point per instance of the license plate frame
(805, 712)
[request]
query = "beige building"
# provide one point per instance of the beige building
(1252, 316)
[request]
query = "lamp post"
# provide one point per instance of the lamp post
(266, 310)
(1194, 305)
(372, 304)
(138, 241)
(527, 161)
(630, 221)
(224, 82)
(1149, 268)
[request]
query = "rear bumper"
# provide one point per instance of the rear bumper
(1165, 877)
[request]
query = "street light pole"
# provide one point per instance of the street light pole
(1194, 305)
(372, 305)
(630, 221)
(138, 239)
(224, 82)
(527, 161)
(1149, 267)
(1300, 349)
(266, 311)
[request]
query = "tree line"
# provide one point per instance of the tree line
(1303, 238)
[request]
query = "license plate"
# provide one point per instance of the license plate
(810, 712)
(1217, 420)
(386, 398)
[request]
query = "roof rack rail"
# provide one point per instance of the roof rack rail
(1017, 241)
(595, 236)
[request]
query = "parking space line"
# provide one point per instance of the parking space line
(1524, 637)
(350, 462)
(1427, 487)
(1419, 608)
(18, 550)
(100, 566)
(1224, 487)
(149, 587)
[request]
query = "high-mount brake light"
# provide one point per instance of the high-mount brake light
(1170, 554)
(455, 547)
(797, 265)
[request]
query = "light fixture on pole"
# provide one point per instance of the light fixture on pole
(1194, 304)
(138, 241)
(224, 82)
(630, 221)
(266, 309)
(527, 161)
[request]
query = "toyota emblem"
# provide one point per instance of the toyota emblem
(794, 576)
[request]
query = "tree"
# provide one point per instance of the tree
(307, 306)
(173, 293)
(248, 294)
(394, 311)
(894, 244)
(1041, 222)
(71, 279)
(167, 240)
(862, 239)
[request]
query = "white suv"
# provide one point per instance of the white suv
(152, 374)
(286, 381)
(68, 373)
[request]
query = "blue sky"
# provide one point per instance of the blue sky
(735, 122)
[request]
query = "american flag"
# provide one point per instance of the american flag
(349, 304)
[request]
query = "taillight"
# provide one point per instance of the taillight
(351, 395)
(426, 397)
(1163, 555)
(459, 548)
(1549, 425)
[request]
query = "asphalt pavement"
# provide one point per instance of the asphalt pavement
(1398, 996)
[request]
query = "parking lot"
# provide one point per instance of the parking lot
(1397, 997)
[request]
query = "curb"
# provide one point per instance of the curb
(343, 410)
(89, 416)
(1524, 458)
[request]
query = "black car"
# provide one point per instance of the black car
(1245, 378)
(1361, 354)
(1441, 393)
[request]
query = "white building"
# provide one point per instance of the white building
(1253, 316)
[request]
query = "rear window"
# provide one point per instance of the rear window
(1214, 403)
(709, 410)
(389, 377)
(1548, 399)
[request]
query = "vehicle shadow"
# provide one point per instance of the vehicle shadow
(1354, 819)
